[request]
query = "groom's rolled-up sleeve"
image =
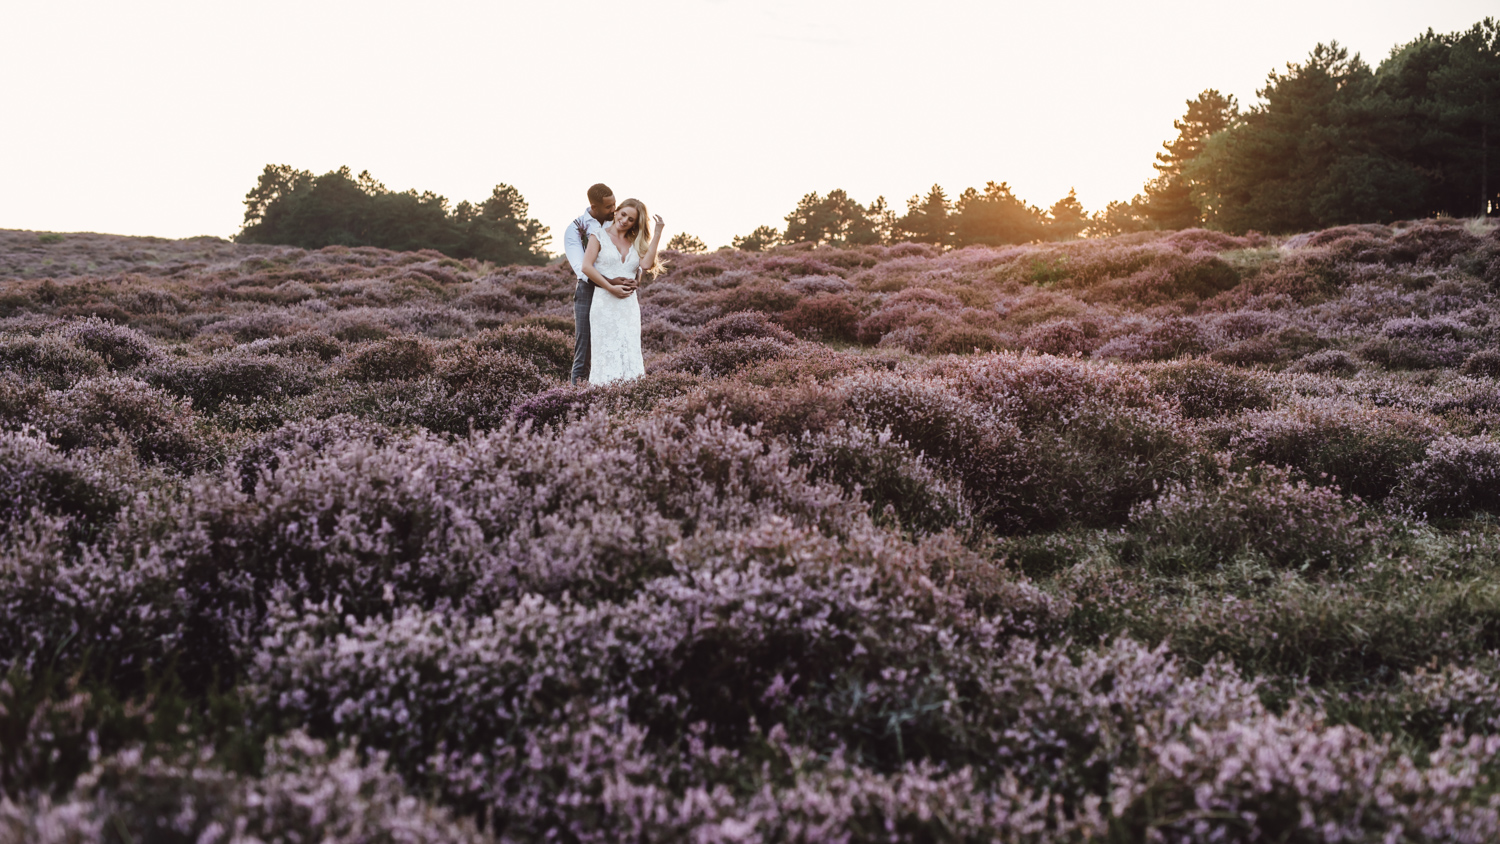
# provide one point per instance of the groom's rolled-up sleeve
(573, 248)
(575, 241)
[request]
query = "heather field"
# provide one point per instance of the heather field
(1171, 536)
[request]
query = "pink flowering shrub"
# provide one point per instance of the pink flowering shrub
(1485, 362)
(215, 380)
(36, 477)
(720, 358)
(767, 296)
(1170, 339)
(743, 325)
(1063, 337)
(397, 358)
(1204, 389)
(288, 537)
(1097, 439)
(826, 316)
(1365, 450)
(903, 487)
(119, 346)
(549, 350)
(316, 344)
(1261, 511)
(51, 360)
(113, 411)
(305, 792)
(1457, 477)
(1327, 362)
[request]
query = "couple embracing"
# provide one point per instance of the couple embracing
(610, 249)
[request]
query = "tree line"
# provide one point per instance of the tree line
(1330, 141)
(295, 208)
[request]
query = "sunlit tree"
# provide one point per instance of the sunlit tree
(686, 243)
(1066, 219)
(927, 219)
(995, 217)
(763, 238)
(1167, 201)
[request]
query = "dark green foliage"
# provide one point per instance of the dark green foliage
(763, 238)
(835, 219)
(295, 208)
(928, 219)
(1168, 202)
(1335, 142)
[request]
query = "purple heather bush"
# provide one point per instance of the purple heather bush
(1205, 390)
(1261, 511)
(316, 543)
(1097, 438)
(1456, 477)
(120, 347)
(57, 362)
(1366, 450)
(306, 792)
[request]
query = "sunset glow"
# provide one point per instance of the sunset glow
(155, 118)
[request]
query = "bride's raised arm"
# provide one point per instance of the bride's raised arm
(649, 261)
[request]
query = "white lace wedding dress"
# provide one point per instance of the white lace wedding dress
(615, 324)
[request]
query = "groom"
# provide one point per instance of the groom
(575, 240)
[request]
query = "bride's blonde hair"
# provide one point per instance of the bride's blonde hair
(642, 232)
(642, 225)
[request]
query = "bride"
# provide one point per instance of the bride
(615, 262)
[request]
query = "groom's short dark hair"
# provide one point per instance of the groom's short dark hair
(598, 192)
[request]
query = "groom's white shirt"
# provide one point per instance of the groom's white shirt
(576, 239)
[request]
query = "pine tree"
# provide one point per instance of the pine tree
(927, 219)
(1167, 200)
(1066, 219)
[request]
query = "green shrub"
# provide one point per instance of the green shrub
(1262, 511)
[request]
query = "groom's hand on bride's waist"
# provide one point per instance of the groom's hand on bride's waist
(628, 284)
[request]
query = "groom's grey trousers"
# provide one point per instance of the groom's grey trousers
(583, 297)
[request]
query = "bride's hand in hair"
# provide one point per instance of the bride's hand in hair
(656, 218)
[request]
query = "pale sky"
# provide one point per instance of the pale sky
(155, 117)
